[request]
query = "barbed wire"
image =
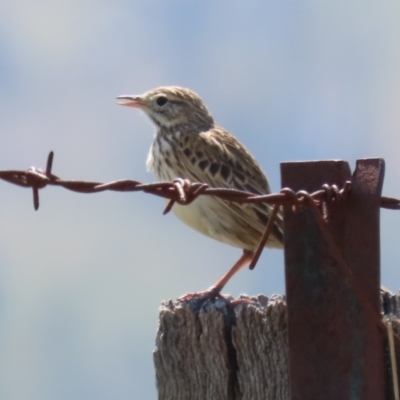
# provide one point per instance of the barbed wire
(180, 191)
(184, 192)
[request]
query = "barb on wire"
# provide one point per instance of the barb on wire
(264, 237)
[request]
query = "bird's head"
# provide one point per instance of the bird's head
(171, 106)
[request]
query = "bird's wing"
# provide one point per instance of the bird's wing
(220, 160)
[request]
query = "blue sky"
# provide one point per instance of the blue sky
(81, 279)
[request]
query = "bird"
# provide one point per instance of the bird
(190, 145)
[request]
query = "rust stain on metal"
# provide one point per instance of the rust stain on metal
(335, 344)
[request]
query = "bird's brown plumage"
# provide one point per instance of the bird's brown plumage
(189, 144)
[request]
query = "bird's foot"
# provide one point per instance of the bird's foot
(209, 294)
(238, 302)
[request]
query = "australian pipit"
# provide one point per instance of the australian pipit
(188, 144)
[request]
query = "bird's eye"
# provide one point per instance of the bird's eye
(161, 101)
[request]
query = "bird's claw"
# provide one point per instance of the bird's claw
(239, 302)
(209, 294)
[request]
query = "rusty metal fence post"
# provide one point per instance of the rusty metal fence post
(335, 347)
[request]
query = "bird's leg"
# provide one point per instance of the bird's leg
(246, 257)
(215, 290)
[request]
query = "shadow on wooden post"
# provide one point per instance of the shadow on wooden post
(335, 348)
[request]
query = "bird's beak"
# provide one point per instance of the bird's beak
(130, 101)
